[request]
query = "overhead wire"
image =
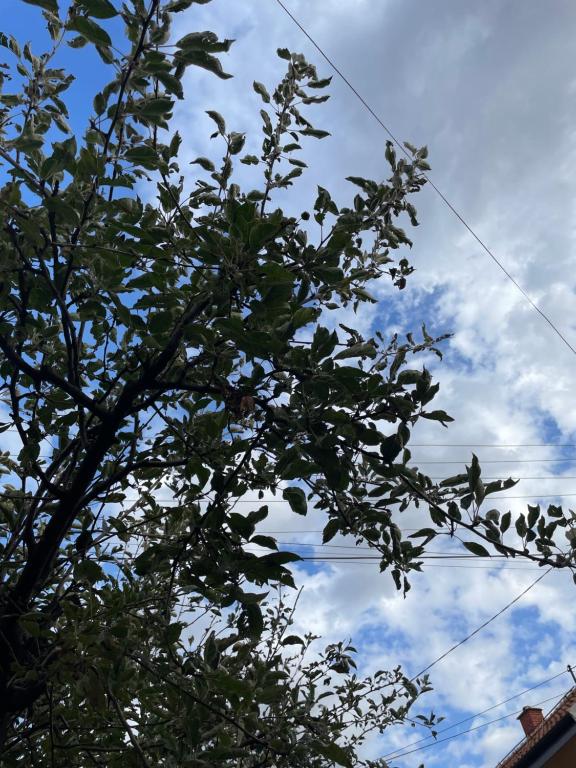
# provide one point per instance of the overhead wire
(395, 756)
(483, 625)
(402, 148)
(477, 714)
(493, 445)
(443, 445)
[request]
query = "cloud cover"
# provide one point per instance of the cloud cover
(490, 88)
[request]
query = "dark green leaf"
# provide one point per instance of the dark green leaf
(202, 59)
(90, 30)
(205, 163)
(293, 640)
(260, 89)
(218, 119)
(297, 500)
(331, 751)
(440, 416)
(476, 549)
(101, 9)
(47, 5)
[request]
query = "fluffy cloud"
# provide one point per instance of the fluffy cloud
(490, 89)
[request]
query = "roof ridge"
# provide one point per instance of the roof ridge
(562, 708)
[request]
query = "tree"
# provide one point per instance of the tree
(161, 361)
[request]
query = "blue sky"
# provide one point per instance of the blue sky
(491, 89)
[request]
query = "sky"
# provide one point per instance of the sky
(490, 88)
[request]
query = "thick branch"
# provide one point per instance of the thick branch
(45, 374)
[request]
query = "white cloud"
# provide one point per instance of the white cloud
(490, 89)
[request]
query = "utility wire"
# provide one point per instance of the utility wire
(128, 499)
(559, 460)
(483, 625)
(478, 714)
(493, 445)
(415, 461)
(401, 147)
(471, 730)
(446, 445)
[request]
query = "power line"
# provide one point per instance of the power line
(483, 625)
(521, 477)
(432, 445)
(430, 553)
(533, 496)
(493, 568)
(493, 445)
(478, 714)
(415, 460)
(375, 560)
(560, 460)
(335, 557)
(429, 180)
(471, 730)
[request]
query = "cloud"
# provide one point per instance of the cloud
(490, 89)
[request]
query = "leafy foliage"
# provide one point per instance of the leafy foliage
(161, 361)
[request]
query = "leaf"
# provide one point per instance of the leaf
(297, 499)
(90, 30)
(230, 685)
(236, 142)
(182, 5)
(284, 53)
(424, 533)
(202, 59)
(218, 119)
(454, 480)
(172, 632)
(143, 155)
(171, 83)
(476, 549)
(330, 530)
(293, 640)
(320, 83)
(205, 163)
(255, 619)
(264, 541)
(533, 515)
(47, 5)
(199, 41)
(88, 570)
(207, 42)
(505, 521)
(332, 751)
(390, 448)
(99, 104)
(260, 89)
(315, 133)
(153, 108)
(260, 234)
(357, 350)
(440, 416)
(101, 9)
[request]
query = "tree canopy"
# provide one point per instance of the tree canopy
(160, 361)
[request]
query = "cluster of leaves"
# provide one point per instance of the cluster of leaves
(221, 699)
(161, 361)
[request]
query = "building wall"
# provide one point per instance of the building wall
(564, 758)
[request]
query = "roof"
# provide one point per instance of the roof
(554, 718)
